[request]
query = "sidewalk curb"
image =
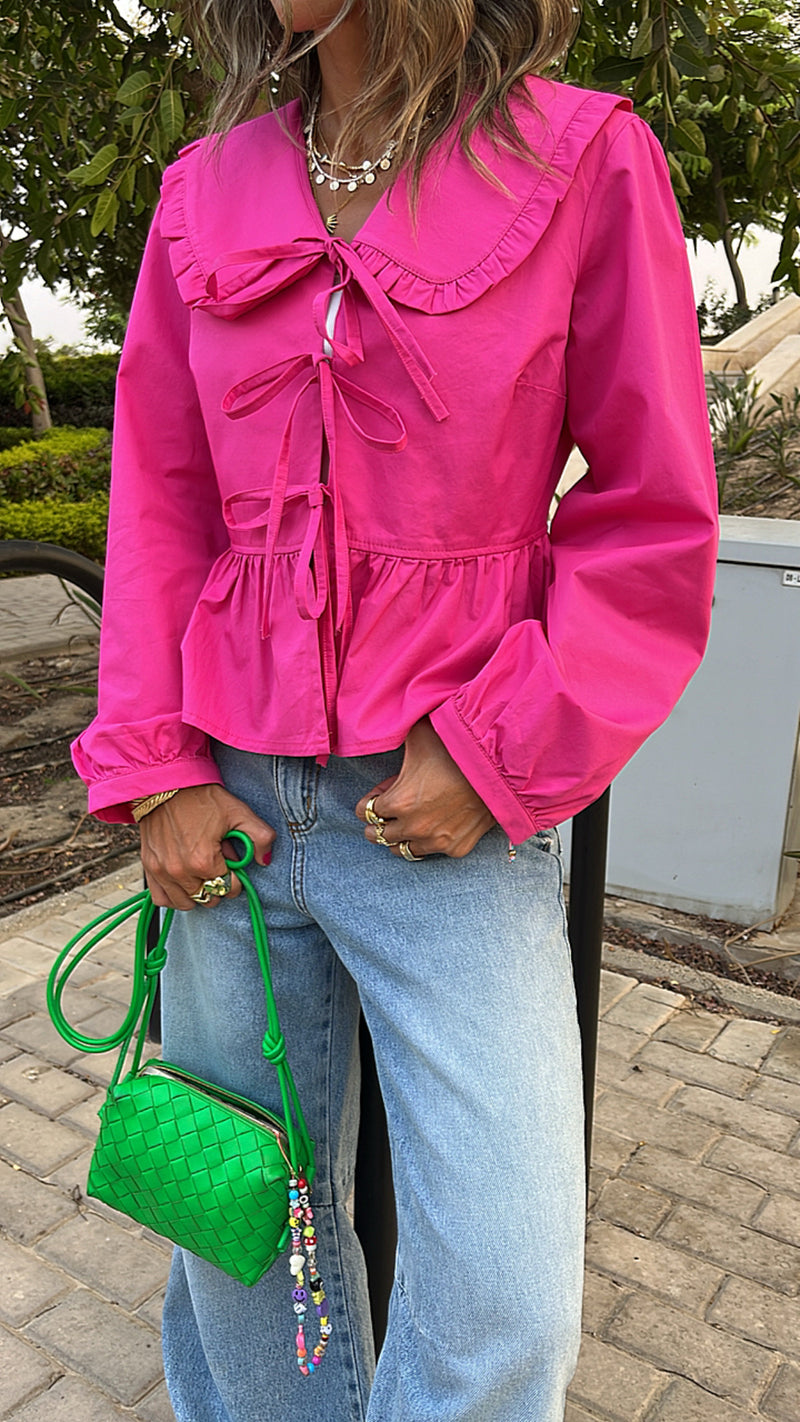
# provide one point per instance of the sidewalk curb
(748, 1001)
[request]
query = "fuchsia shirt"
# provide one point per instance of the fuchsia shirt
(263, 594)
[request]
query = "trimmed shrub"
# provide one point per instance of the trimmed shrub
(63, 463)
(11, 435)
(81, 527)
(80, 390)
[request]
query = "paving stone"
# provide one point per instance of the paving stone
(782, 1400)
(643, 1123)
(11, 1010)
(784, 1059)
(26, 1284)
(623, 1041)
(609, 1151)
(71, 1178)
(777, 1095)
(71, 1400)
(23, 1371)
(697, 1068)
(672, 1340)
(744, 1042)
(613, 986)
(84, 1115)
(31, 957)
(601, 1296)
(27, 1206)
(684, 1401)
(577, 1414)
(651, 1264)
(755, 1163)
(43, 1087)
(635, 1080)
(733, 1247)
(667, 1171)
(691, 1028)
(8, 1050)
(102, 1344)
(633, 1206)
(736, 1117)
(612, 1383)
(114, 1262)
(156, 1407)
(780, 1217)
(34, 1142)
(152, 1310)
(32, 997)
(642, 1011)
(53, 933)
(13, 979)
(759, 1314)
(36, 1034)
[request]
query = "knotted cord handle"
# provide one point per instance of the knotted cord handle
(146, 969)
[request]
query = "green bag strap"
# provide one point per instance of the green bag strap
(146, 969)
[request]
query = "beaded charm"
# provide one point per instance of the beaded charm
(304, 1251)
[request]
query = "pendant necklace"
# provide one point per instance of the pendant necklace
(348, 176)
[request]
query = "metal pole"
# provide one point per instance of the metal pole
(375, 1216)
(375, 1219)
(586, 904)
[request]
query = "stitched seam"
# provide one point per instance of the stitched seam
(460, 555)
(491, 763)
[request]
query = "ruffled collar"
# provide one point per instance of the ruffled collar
(255, 202)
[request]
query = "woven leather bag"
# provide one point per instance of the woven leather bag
(202, 1166)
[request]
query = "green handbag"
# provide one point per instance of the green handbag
(210, 1170)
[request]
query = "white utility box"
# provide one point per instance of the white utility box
(703, 815)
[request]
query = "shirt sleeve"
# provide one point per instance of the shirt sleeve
(165, 532)
(566, 700)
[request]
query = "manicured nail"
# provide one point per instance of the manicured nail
(267, 857)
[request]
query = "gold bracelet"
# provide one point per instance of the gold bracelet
(140, 808)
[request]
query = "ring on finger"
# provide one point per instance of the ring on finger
(216, 888)
(405, 850)
(379, 836)
(371, 815)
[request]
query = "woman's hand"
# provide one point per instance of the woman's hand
(182, 842)
(430, 805)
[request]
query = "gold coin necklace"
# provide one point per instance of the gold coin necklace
(323, 168)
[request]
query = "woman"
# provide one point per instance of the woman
(368, 330)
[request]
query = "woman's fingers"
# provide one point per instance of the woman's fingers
(430, 806)
(182, 844)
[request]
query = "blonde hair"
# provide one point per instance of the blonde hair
(425, 58)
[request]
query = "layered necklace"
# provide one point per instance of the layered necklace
(340, 176)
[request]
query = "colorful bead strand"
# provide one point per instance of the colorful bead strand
(304, 1250)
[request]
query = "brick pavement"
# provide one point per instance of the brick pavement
(692, 1304)
(37, 617)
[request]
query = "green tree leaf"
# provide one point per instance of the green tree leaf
(171, 114)
(98, 168)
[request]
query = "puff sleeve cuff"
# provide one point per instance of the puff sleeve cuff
(565, 701)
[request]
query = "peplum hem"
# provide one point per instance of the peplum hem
(269, 687)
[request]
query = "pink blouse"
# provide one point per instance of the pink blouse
(312, 546)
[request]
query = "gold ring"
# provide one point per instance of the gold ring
(212, 889)
(405, 850)
(371, 815)
(379, 839)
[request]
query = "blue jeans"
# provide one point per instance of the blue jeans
(463, 972)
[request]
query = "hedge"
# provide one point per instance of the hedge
(11, 435)
(81, 527)
(63, 463)
(80, 390)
